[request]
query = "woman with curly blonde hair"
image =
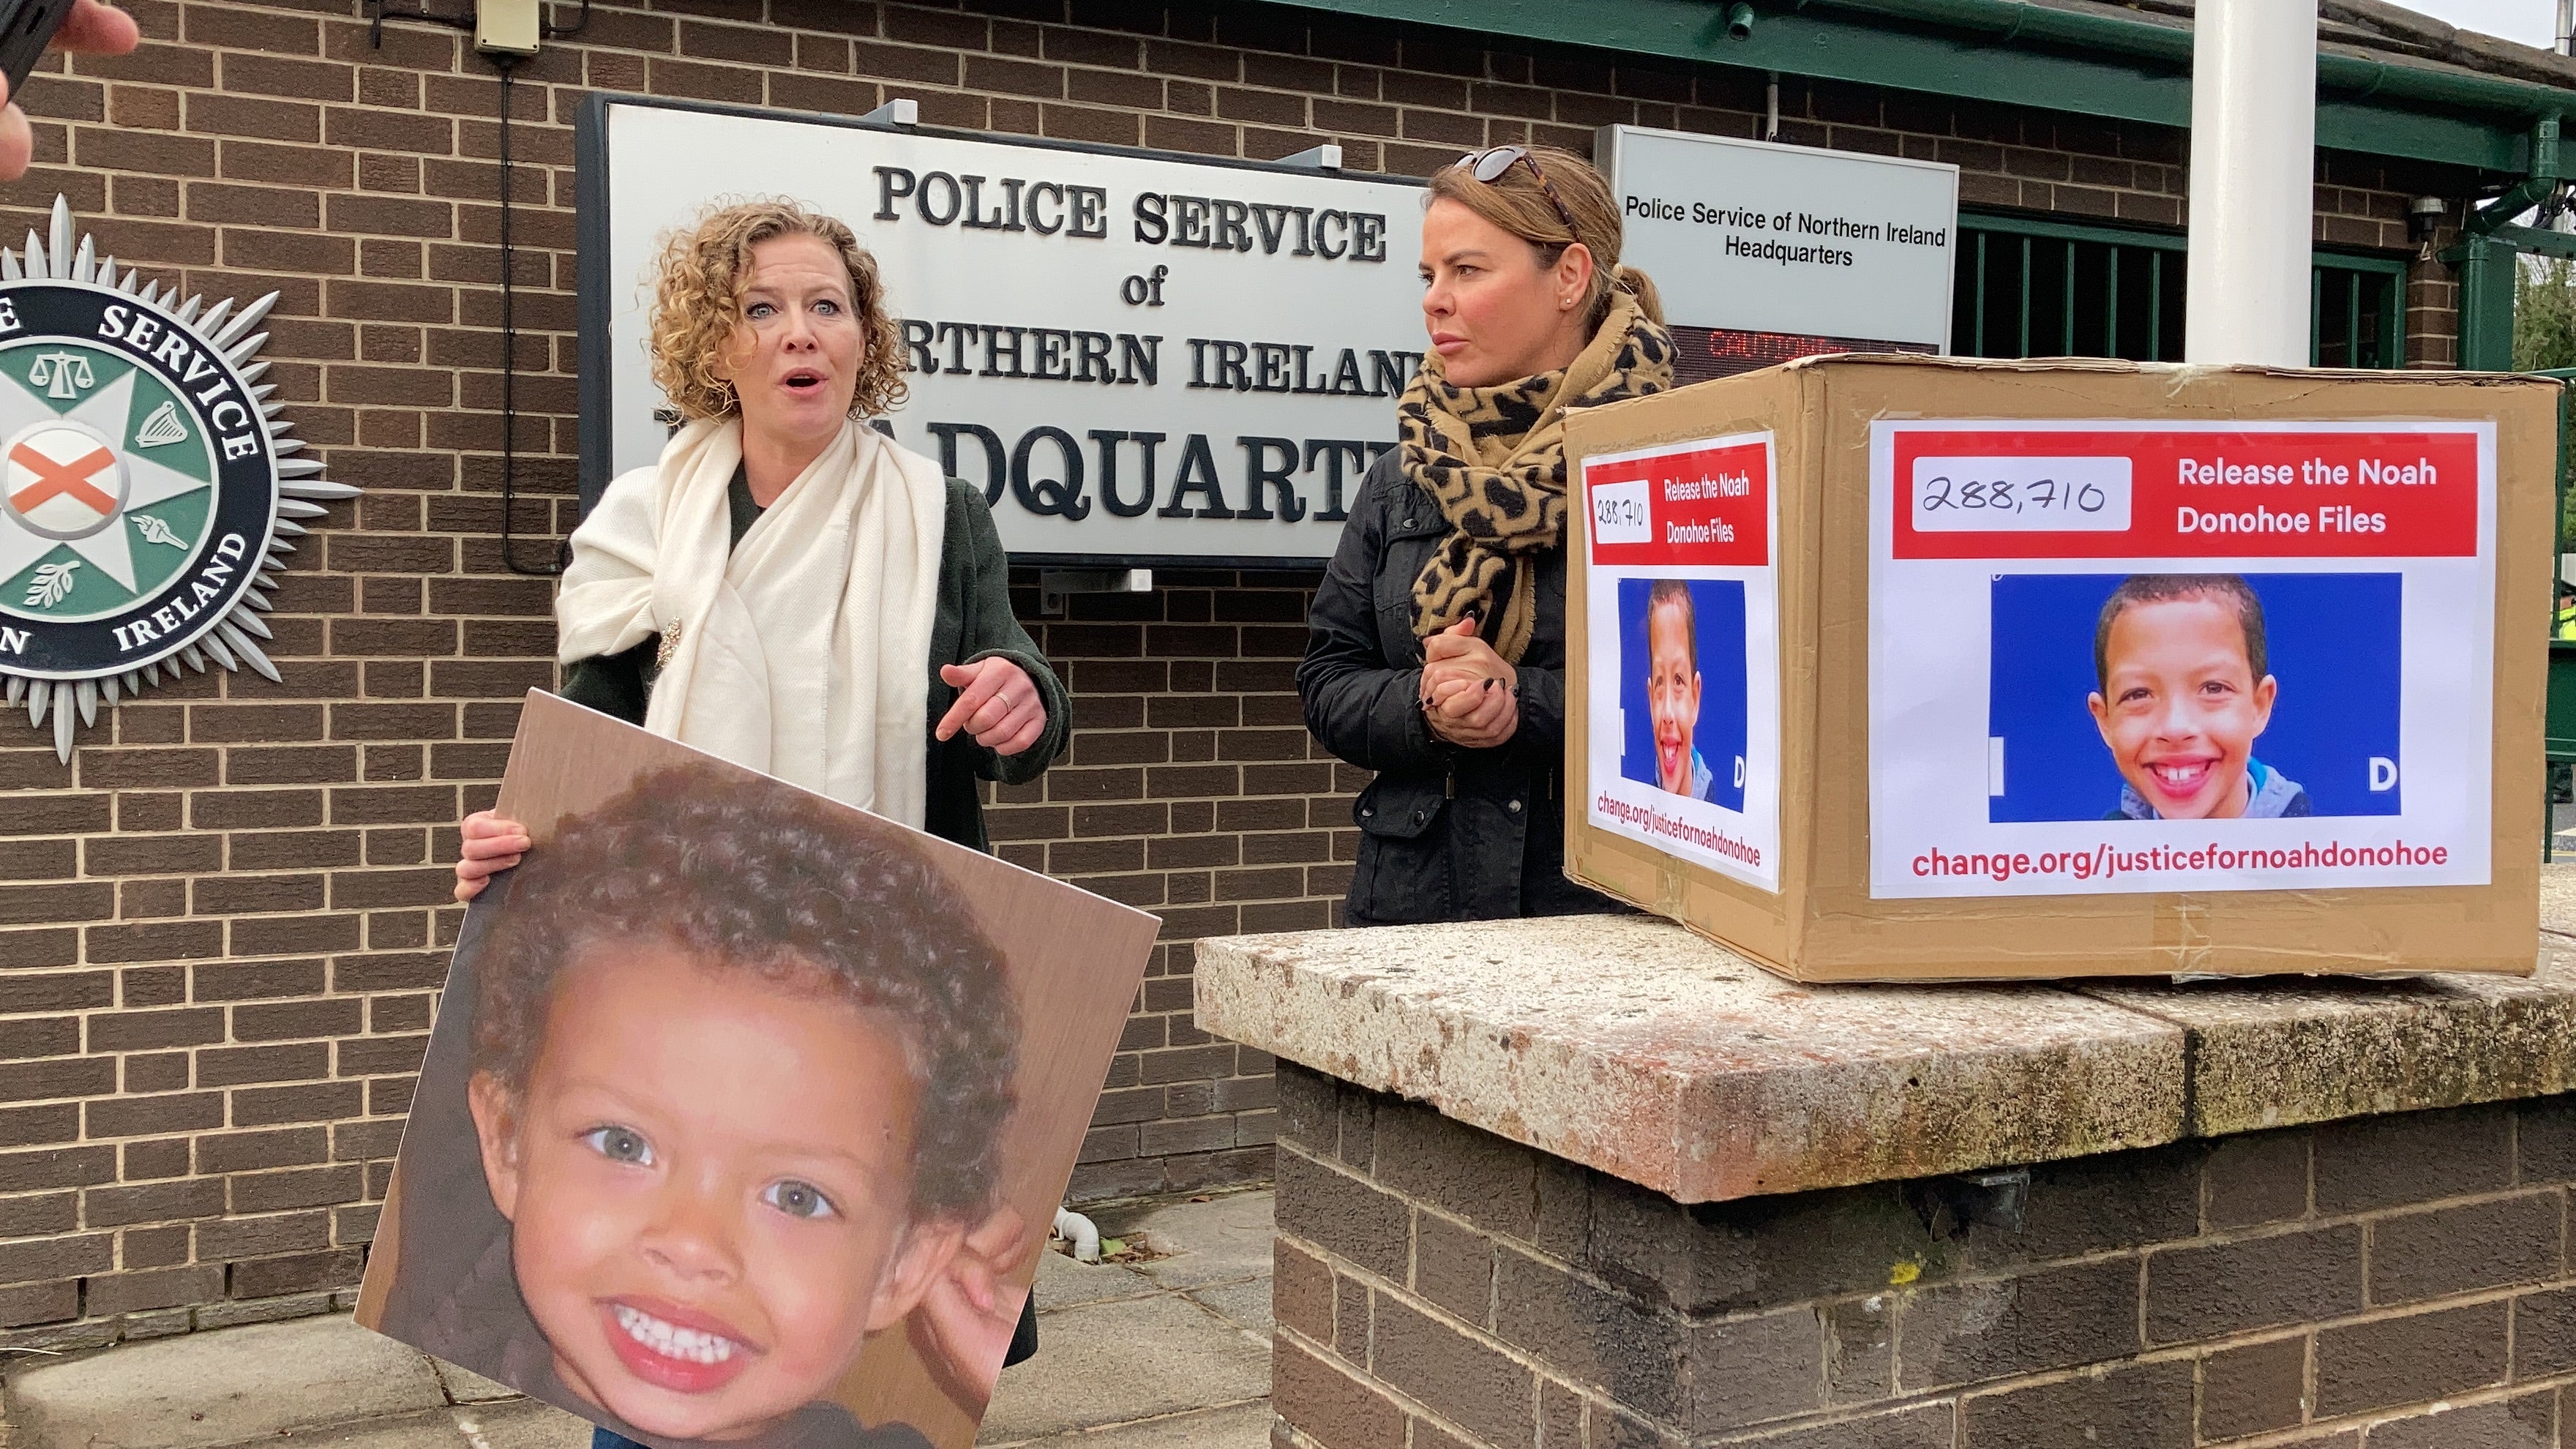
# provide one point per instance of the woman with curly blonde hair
(789, 589)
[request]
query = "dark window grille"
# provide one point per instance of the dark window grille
(2033, 288)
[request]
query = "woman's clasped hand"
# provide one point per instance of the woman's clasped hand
(1469, 692)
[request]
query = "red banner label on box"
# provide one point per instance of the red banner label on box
(1706, 506)
(2024, 493)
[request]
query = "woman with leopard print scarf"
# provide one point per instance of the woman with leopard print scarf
(1435, 651)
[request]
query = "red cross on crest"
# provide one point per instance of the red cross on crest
(54, 479)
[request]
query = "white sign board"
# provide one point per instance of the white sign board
(1141, 358)
(2145, 656)
(1753, 237)
(1683, 628)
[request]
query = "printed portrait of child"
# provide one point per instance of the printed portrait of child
(1673, 689)
(2182, 690)
(738, 1071)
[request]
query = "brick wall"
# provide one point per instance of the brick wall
(223, 923)
(2390, 1281)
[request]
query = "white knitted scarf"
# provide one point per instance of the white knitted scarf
(804, 651)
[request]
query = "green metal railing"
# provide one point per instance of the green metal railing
(2028, 287)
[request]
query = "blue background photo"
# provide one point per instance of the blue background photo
(1718, 605)
(2334, 643)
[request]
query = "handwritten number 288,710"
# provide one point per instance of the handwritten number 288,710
(2002, 496)
(1619, 512)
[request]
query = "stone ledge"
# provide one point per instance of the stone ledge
(1631, 1046)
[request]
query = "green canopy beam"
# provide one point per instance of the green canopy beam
(2077, 62)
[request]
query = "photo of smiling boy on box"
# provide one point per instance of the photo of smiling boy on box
(1673, 690)
(739, 1069)
(2184, 689)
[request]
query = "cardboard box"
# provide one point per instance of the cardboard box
(1950, 669)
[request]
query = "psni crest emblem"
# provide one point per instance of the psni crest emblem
(148, 488)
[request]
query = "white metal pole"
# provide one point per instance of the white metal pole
(2253, 197)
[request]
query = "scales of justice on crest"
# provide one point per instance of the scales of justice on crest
(148, 487)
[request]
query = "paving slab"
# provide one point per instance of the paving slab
(207, 1389)
(521, 1424)
(1245, 1305)
(1223, 1240)
(430, 1429)
(1243, 1426)
(1630, 1045)
(465, 1386)
(1065, 1283)
(1112, 1363)
(518, 1424)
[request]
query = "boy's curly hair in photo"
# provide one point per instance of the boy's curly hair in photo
(751, 875)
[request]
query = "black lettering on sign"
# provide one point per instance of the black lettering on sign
(1045, 354)
(1053, 347)
(893, 185)
(1368, 237)
(1049, 222)
(1197, 474)
(1140, 357)
(1231, 234)
(996, 355)
(1059, 496)
(940, 212)
(997, 467)
(1189, 221)
(975, 217)
(1091, 358)
(1289, 367)
(1109, 495)
(1153, 221)
(1260, 475)
(1090, 211)
(958, 335)
(1332, 234)
(1334, 451)
(1273, 222)
(1221, 223)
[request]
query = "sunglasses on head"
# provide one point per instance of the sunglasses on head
(1489, 165)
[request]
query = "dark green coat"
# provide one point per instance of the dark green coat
(974, 622)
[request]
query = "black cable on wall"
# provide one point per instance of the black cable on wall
(507, 65)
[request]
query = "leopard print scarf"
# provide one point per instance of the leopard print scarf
(1494, 457)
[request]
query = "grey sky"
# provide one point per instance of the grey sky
(2532, 22)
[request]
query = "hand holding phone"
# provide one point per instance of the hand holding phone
(27, 27)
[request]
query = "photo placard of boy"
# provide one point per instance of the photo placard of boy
(745, 1113)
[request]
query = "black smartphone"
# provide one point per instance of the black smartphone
(26, 27)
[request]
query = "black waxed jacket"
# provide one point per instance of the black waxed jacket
(1446, 834)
